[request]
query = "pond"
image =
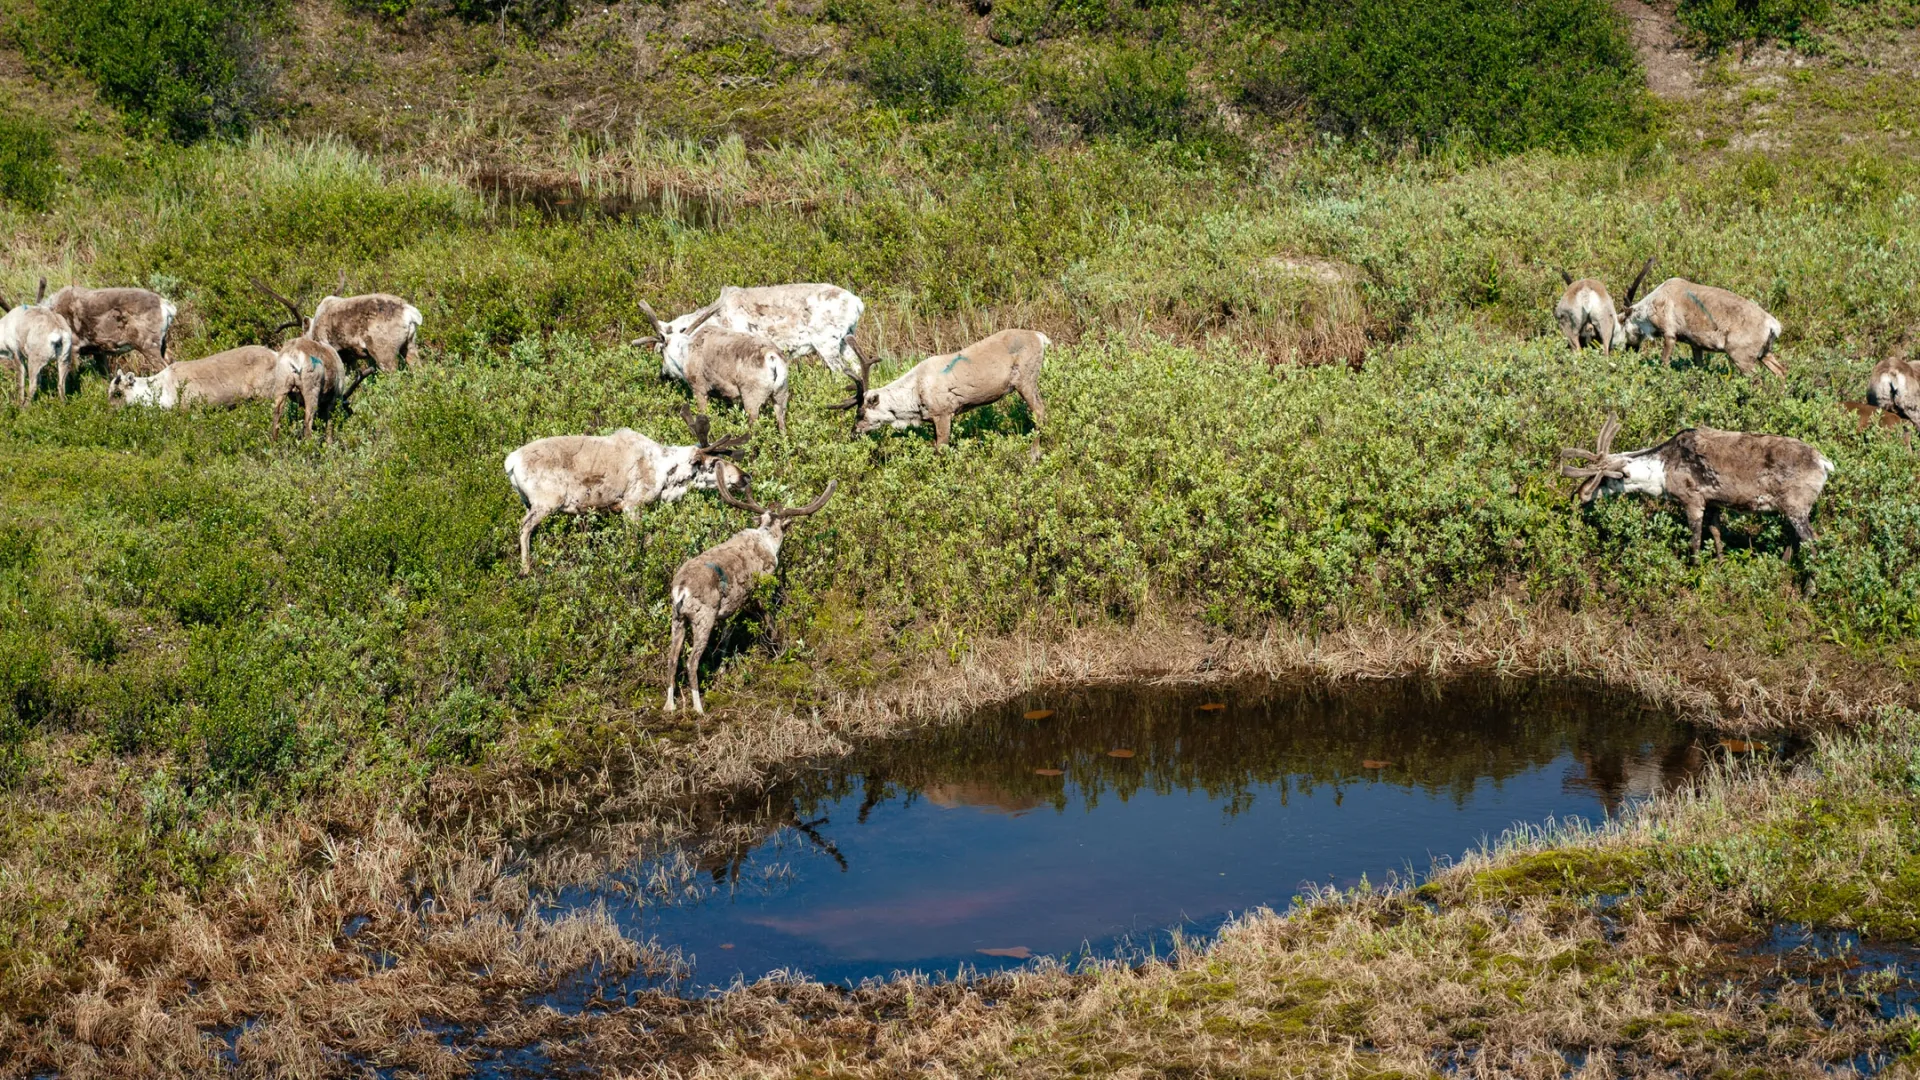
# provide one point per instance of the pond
(1100, 822)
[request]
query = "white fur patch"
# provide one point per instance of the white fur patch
(1645, 476)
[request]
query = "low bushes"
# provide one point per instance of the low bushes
(27, 169)
(1716, 24)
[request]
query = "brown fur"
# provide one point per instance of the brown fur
(941, 387)
(248, 373)
(316, 376)
(747, 368)
(374, 329)
(1705, 470)
(112, 323)
(716, 583)
(1708, 320)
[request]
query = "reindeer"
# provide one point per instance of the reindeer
(717, 582)
(370, 331)
(744, 367)
(1708, 320)
(940, 387)
(1704, 470)
(1894, 386)
(798, 319)
(249, 373)
(113, 322)
(311, 370)
(1586, 312)
(31, 337)
(623, 471)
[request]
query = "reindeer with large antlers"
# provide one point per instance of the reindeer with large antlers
(941, 387)
(1705, 470)
(624, 471)
(312, 369)
(716, 583)
(1586, 311)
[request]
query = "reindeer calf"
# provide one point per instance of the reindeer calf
(1708, 320)
(32, 337)
(940, 387)
(623, 471)
(716, 583)
(1704, 470)
(112, 322)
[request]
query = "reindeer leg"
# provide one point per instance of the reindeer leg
(60, 369)
(780, 399)
(942, 427)
(1666, 352)
(528, 523)
(1696, 516)
(702, 630)
(34, 367)
(673, 659)
(1713, 529)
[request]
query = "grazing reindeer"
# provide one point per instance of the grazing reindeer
(623, 471)
(1704, 470)
(1867, 415)
(311, 369)
(1708, 320)
(716, 583)
(1586, 312)
(31, 337)
(113, 322)
(940, 387)
(744, 367)
(798, 319)
(370, 331)
(1895, 387)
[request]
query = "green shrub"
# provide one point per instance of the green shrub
(1507, 75)
(27, 163)
(1716, 24)
(920, 65)
(533, 16)
(1135, 93)
(187, 69)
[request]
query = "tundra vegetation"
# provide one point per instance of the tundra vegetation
(1305, 402)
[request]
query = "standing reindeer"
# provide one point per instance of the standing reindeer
(745, 367)
(941, 387)
(1704, 470)
(798, 319)
(1586, 312)
(1708, 320)
(373, 331)
(312, 369)
(113, 322)
(31, 337)
(623, 471)
(717, 582)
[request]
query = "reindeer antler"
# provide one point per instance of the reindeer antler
(702, 426)
(700, 423)
(298, 319)
(1634, 288)
(1564, 276)
(860, 381)
(812, 507)
(341, 289)
(658, 326)
(1601, 455)
(746, 503)
(41, 297)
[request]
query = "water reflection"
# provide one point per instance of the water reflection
(979, 843)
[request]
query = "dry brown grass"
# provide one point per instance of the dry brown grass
(444, 902)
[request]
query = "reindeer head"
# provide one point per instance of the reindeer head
(1629, 332)
(296, 322)
(856, 400)
(774, 519)
(1638, 472)
(707, 455)
(673, 338)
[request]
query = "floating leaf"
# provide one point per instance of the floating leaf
(727, 945)
(1119, 753)
(1037, 714)
(1741, 746)
(1213, 706)
(1049, 772)
(1017, 952)
(1370, 763)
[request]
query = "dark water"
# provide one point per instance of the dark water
(1126, 814)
